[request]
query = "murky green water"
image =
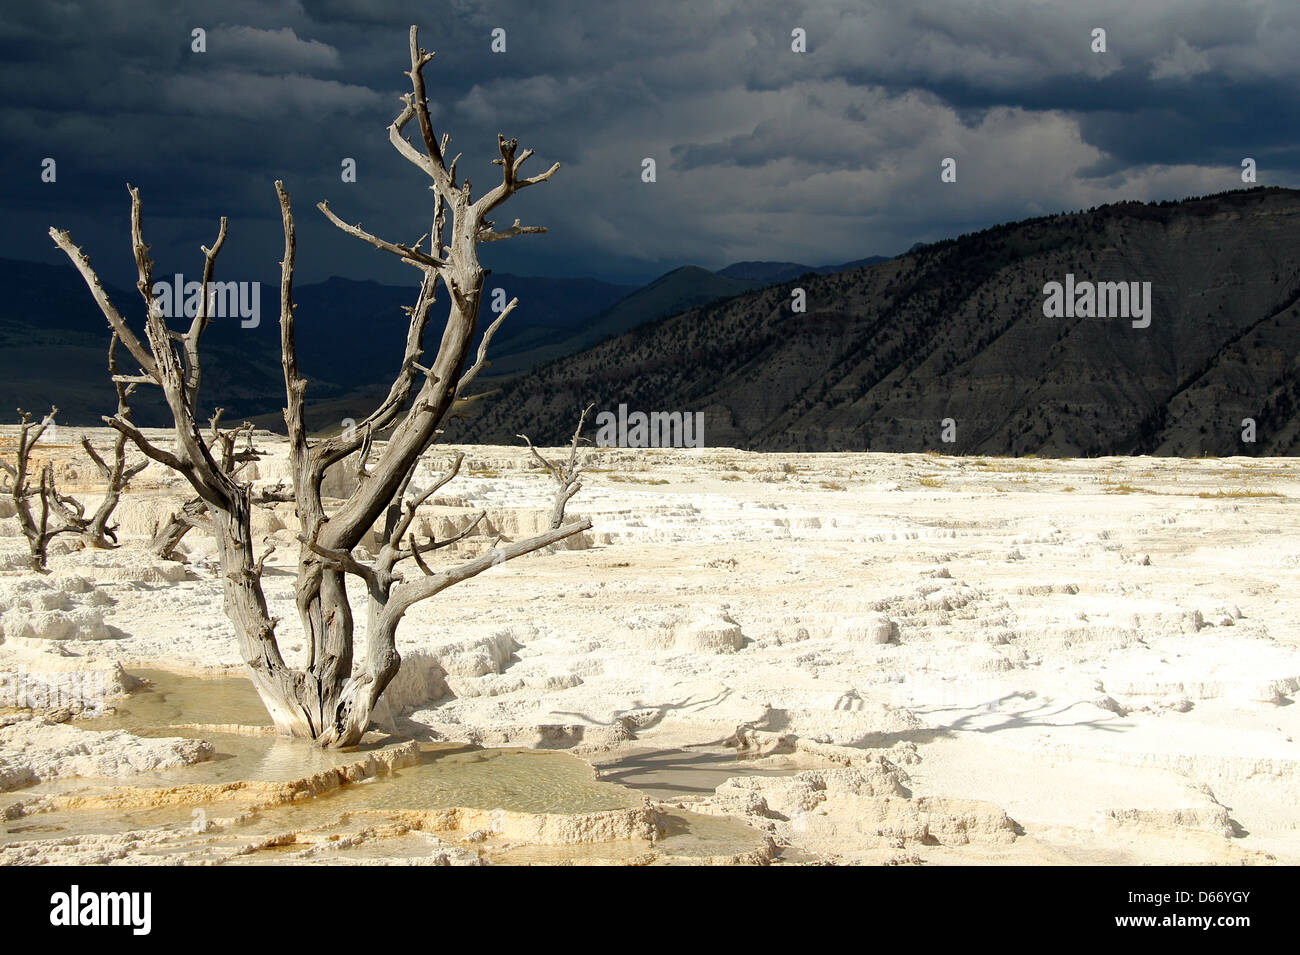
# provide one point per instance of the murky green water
(447, 776)
(171, 699)
(696, 772)
(522, 780)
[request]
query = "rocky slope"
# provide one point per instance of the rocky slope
(957, 330)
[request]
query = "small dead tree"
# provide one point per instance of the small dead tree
(567, 475)
(55, 513)
(117, 475)
(330, 699)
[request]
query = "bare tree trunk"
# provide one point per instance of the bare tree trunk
(194, 514)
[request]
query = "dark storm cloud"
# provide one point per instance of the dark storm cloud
(761, 152)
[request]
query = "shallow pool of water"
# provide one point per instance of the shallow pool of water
(446, 776)
(172, 699)
(696, 772)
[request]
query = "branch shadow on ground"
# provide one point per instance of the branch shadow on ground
(1038, 717)
(559, 735)
(658, 711)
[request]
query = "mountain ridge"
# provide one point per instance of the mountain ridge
(955, 330)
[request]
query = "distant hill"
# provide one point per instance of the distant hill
(772, 273)
(350, 336)
(517, 348)
(54, 350)
(956, 329)
(765, 272)
(671, 293)
(357, 328)
(53, 340)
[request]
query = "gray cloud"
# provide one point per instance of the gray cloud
(761, 152)
(254, 96)
(274, 50)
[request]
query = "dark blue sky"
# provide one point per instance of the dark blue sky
(762, 153)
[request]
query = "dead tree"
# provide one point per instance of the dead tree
(566, 476)
(61, 513)
(117, 475)
(330, 700)
(55, 513)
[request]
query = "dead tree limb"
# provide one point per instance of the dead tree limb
(193, 515)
